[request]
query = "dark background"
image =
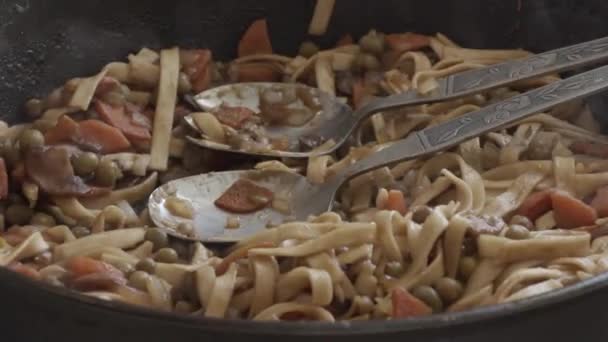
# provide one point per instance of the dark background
(43, 42)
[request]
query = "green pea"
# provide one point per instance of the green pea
(450, 290)
(147, 265)
(167, 255)
(185, 228)
(429, 296)
(85, 163)
(420, 214)
(158, 238)
(106, 173)
(139, 280)
(42, 219)
(522, 221)
(467, 266)
(517, 232)
(394, 269)
(33, 108)
(366, 61)
(372, 42)
(308, 49)
(19, 214)
(30, 138)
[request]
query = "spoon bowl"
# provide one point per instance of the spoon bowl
(211, 224)
(331, 122)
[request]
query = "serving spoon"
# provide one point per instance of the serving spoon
(306, 198)
(337, 121)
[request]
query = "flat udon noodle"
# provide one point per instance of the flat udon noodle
(345, 234)
(484, 274)
(275, 312)
(511, 199)
(472, 154)
(265, 270)
(422, 239)
(452, 243)
(293, 282)
(472, 182)
(523, 277)
(32, 246)
(519, 143)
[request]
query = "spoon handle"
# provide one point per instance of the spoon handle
(478, 80)
(492, 117)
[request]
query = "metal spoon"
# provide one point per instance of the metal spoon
(337, 121)
(307, 199)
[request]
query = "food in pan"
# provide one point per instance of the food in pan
(509, 215)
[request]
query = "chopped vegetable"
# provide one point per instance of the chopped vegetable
(396, 201)
(234, 117)
(600, 202)
(92, 135)
(244, 196)
(197, 65)
(98, 281)
(590, 148)
(407, 41)
(255, 40)
(570, 212)
(117, 117)
(535, 205)
(256, 72)
(51, 170)
(62, 132)
(101, 137)
(165, 107)
(82, 265)
(406, 305)
(3, 180)
(24, 270)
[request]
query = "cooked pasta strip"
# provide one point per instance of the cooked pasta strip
(163, 118)
(321, 16)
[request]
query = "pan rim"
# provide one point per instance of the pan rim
(311, 328)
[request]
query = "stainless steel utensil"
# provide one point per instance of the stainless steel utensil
(308, 199)
(337, 121)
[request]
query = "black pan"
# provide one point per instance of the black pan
(44, 42)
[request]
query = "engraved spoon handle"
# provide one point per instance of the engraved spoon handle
(492, 117)
(478, 80)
